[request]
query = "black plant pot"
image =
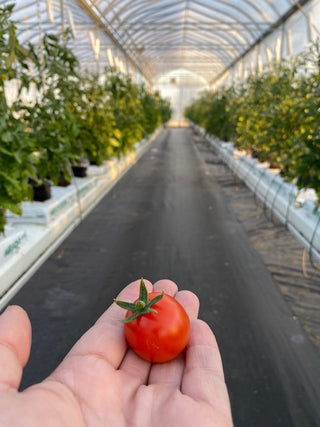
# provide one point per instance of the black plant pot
(41, 192)
(63, 182)
(79, 171)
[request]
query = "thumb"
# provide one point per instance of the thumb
(15, 344)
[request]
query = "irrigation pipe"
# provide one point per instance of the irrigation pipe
(311, 244)
(265, 198)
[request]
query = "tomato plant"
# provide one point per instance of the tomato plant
(16, 145)
(156, 326)
(274, 114)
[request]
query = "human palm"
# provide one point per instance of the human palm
(103, 383)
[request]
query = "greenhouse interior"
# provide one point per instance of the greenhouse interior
(160, 165)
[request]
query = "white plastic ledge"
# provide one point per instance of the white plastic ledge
(295, 209)
(32, 237)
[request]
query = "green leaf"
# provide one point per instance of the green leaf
(136, 315)
(7, 136)
(10, 59)
(130, 306)
(5, 151)
(143, 294)
(130, 318)
(156, 299)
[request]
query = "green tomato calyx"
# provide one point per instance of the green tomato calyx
(142, 306)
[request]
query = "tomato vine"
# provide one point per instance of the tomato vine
(274, 115)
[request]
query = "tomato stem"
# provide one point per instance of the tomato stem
(142, 306)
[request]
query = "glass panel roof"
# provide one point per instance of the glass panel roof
(154, 36)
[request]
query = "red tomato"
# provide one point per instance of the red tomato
(161, 336)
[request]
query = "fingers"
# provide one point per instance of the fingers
(15, 344)
(106, 338)
(190, 302)
(168, 286)
(187, 299)
(170, 373)
(203, 376)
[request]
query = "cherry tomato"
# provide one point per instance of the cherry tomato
(160, 336)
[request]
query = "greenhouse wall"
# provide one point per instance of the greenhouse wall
(180, 97)
(181, 87)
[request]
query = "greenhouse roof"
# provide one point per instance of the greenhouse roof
(156, 36)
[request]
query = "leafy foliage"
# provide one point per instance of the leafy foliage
(99, 136)
(16, 146)
(73, 117)
(156, 110)
(123, 98)
(304, 161)
(274, 115)
(54, 119)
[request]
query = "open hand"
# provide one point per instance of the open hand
(101, 382)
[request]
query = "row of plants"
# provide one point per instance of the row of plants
(274, 116)
(74, 117)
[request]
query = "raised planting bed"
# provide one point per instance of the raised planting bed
(32, 237)
(11, 242)
(62, 199)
